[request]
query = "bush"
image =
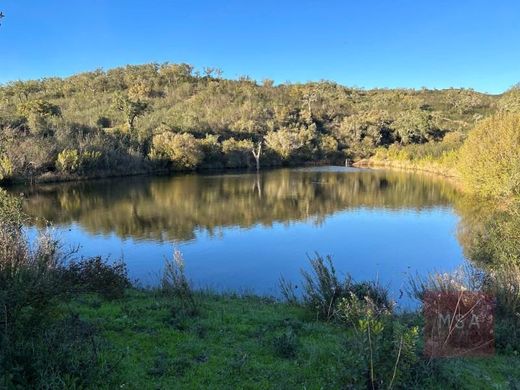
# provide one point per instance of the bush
(175, 284)
(490, 157)
(6, 168)
(388, 348)
(72, 161)
(68, 161)
(61, 355)
(286, 344)
(104, 122)
(323, 290)
(183, 150)
(97, 276)
(40, 347)
(237, 153)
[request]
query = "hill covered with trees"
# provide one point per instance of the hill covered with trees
(155, 117)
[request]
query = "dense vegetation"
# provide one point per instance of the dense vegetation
(486, 161)
(163, 117)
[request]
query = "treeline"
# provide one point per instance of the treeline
(172, 117)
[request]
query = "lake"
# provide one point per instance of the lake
(242, 231)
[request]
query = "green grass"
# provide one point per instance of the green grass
(231, 343)
(240, 342)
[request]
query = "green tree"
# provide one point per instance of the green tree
(37, 112)
(183, 150)
(131, 109)
(490, 156)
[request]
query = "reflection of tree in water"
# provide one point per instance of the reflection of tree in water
(175, 207)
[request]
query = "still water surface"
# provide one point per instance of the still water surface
(241, 231)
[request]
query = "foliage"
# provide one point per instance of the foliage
(490, 157)
(286, 344)
(183, 150)
(388, 348)
(510, 101)
(72, 161)
(68, 161)
(95, 275)
(131, 109)
(118, 113)
(6, 168)
(237, 153)
(175, 284)
(323, 289)
(40, 346)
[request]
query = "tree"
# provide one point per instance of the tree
(37, 112)
(490, 157)
(413, 127)
(256, 154)
(132, 109)
(284, 142)
(183, 150)
(237, 152)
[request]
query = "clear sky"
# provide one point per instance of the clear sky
(385, 43)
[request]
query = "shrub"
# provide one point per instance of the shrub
(97, 276)
(286, 344)
(237, 153)
(388, 348)
(490, 157)
(40, 347)
(6, 168)
(174, 283)
(104, 122)
(322, 290)
(183, 150)
(68, 161)
(72, 161)
(65, 353)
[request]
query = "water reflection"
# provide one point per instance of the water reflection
(173, 208)
(242, 231)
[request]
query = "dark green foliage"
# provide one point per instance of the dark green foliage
(323, 289)
(40, 345)
(286, 344)
(96, 275)
(63, 354)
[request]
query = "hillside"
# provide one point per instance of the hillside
(171, 117)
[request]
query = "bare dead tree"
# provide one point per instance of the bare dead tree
(256, 154)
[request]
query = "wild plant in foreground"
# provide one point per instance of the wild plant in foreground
(464, 278)
(40, 346)
(174, 283)
(322, 289)
(388, 348)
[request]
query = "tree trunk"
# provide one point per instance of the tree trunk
(256, 154)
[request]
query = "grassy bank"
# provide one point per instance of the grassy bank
(440, 159)
(250, 342)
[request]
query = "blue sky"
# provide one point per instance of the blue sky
(385, 43)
